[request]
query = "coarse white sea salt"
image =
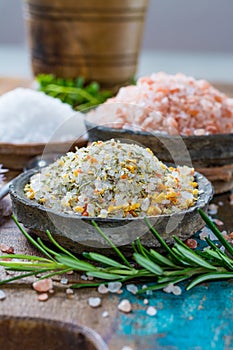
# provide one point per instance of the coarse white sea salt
(94, 302)
(132, 288)
(151, 311)
(27, 115)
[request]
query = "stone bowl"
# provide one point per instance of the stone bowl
(38, 334)
(212, 155)
(78, 233)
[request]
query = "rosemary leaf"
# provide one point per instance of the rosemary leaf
(31, 240)
(104, 260)
(108, 240)
(104, 275)
(148, 264)
(78, 265)
(216, 231)
(194, 258)
(210, 277)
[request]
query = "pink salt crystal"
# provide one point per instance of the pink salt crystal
(102, 289)
(203, 234)
(43, 285)
(3, 247)
(218, 222)
(43, 297)
(191, 243)
(125, 306)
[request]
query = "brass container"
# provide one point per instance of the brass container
(97, 39)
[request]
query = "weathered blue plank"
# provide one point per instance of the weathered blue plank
(200, 319)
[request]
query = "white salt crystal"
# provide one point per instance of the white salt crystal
(2, 295)
(84, 277)
(169, 288)
(114, 287)
(27, 115)
(132, 288)
(126, 348)
(94, 302)
(145, 301)
(105, 314)
(213, 209)
(64, 280)
(151, 311)
(102, 289)
(176, 290)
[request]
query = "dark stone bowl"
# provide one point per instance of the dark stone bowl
(38, 334)
(199, 151)
(78, 234)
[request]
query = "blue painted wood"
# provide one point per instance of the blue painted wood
(200, 319)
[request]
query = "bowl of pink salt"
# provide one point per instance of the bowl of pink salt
(181, 119)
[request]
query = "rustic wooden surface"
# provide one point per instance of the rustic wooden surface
(136, 329)
(199, 319)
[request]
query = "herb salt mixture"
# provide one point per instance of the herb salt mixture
(113, 180)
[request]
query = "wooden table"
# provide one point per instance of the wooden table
(196, 320)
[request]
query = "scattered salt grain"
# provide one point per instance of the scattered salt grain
(43, 285)
(149, 292)
(120, 291)
(32, 116)
(2, 295)
(126, 347)
(213, 209)
(220, 203)
(203, 234)
(94, 302)
(105, 314)
(125, 306)
(151, 311)
(4, 247)
(64, 280)
(218, 222)
(191, 243)
(177, 290)
(132, 288)
(222, 248)
(43, 297)
(145, 301)
(169, 288)
(69, 291)
(102, 289)
(84, 277)
(114, 287)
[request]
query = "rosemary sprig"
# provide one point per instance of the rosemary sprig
(179, 263)
(75, 92)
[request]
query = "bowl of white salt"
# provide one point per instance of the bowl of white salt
(32, 122)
